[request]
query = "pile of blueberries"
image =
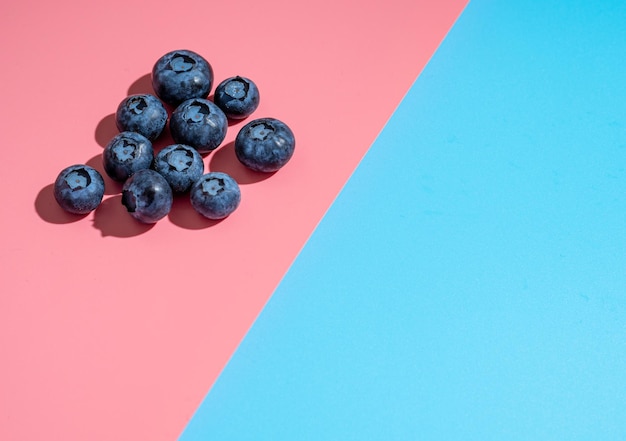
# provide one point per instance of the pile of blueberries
(183, 79)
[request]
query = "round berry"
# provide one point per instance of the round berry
(215, 195)
(180, 75)
(125, 154)
(180, 165)
(200, 124)
(238, 97)
(265, 144)
(79, 189)
(141, 113)
(147, 196)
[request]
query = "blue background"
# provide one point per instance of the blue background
(469, 281)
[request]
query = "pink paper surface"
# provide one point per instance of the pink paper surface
(110, 329)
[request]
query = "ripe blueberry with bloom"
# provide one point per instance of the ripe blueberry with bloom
(265, 144)
(237, 96)
(147, 196)
(215, 195)
(180, 165)
(125, 154)
(200, 124)
(79, 189)
(180, 75)
(141, 113)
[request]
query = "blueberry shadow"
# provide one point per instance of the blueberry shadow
(141, 85)
(110, 186)
(112, 219)
(225, 160)
(106, 130)
(50, 211)
(185, 216)
(233, 122)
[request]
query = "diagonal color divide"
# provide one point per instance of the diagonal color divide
(110, 330)
(469, 281)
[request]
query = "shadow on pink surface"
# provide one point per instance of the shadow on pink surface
(185, 216)
(106, 130)
(111, 187)
(49, 210)
(225, 160)
(141, 85)
(112, 219)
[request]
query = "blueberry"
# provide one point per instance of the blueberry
(200, 124)
(141, 113)
(79, 189)
(180, 165)
(215, 195)
(147, 196)
(238, 97)
(180, 75)
(265, 144)
(125, 154)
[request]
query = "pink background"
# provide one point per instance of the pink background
(110, 329)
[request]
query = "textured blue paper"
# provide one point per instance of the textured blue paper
(469, 283)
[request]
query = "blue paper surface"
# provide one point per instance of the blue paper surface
(469, 282)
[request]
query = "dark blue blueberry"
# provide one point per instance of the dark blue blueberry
(147, 196)
(215, 195)
(265, 144)
(125, 154)
(180, 165)
(142, 113)
(237, 96)
(79, 189)
(180, 75)
(200, 124)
